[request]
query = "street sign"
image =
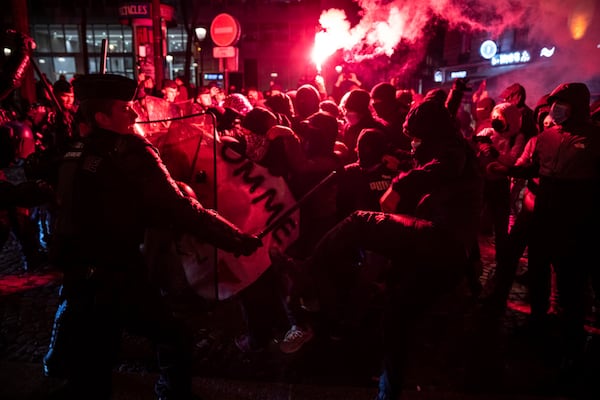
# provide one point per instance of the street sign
(225, 30)
(223, 52)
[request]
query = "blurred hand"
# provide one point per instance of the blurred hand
(461, 84)
(247, 244)
(496, 168)
(391, 162)
(389, 201)
(488, 150)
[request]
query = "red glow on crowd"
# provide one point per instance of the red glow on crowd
(11, 284)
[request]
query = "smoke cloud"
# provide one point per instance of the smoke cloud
(383, 27)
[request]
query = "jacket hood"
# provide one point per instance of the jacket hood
(577, 95)
(515, 94)
(429, 120)
(510, 114)
(307, 100)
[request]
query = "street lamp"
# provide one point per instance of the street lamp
(169, 59)
(200, 36)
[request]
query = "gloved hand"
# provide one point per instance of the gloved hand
(246, 244)
(461, 84)
(488, 150)
(496, 168)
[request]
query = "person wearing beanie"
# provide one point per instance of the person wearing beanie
(356, 105)
(256, 124)
(516, 94)
(363, 182)
(388, 108)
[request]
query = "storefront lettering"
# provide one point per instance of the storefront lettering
(134, 10)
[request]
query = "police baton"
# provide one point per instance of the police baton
(279, 220)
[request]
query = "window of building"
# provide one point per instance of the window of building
(63, 66)
(71, 37)
(176, 40)
(41, 35)
(57, 39)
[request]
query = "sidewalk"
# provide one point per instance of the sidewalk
(458, 355)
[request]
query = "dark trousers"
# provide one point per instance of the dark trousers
(87, 332)
(496, 197)
(570, 249)
(426, 262)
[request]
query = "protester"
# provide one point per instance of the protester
(565, 216)
(428, 226)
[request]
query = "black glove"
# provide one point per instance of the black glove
(246, 244)
(461, 84)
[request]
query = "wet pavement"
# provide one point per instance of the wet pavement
(457, 353)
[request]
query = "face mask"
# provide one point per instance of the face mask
(498, 125)
(415, 143)
(559, 113)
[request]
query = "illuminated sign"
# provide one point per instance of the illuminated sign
(546, 52)
(213, 77)
(458, 74)
(488, 49)
(515, 57)
(135, 10)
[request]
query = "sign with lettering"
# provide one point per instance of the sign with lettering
(135, 10)
(247, 195)
(515, 57)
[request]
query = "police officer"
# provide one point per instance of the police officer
(111, 188)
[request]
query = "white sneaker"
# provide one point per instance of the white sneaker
(294, 339)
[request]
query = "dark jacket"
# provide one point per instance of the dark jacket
(361, 188)
(567, 160)
(446, 185)
(111, 189)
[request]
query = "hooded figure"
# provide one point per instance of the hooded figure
(306, 101)
(566, 215)
(358, 115)
(428, 224)
(516, 94)
(505, 134)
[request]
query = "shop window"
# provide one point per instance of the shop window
(175, 40)
(98, 32)
(41, 35)
(72, 39)
(64, 66)
(57, 39)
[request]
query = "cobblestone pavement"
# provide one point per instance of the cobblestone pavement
(457, 353)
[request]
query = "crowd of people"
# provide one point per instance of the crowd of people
(419, 178)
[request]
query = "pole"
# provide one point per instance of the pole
(277, 222)
(103, 55)
(21, 23)
(157, 35)
(201, 81)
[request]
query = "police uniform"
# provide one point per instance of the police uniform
(111, 188)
